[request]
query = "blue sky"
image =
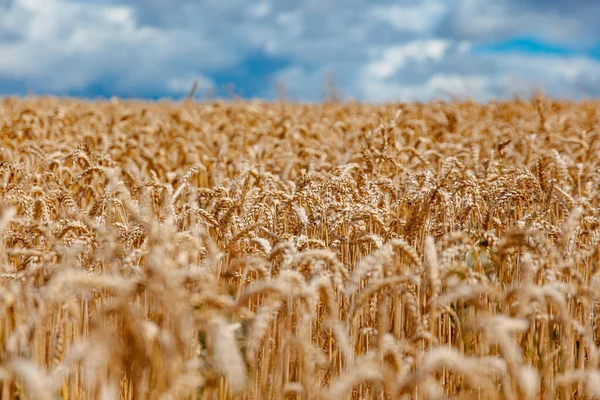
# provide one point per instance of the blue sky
(375, 50)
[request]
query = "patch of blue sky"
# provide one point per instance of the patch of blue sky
(531, 45)
(253, 77)
(103, 87)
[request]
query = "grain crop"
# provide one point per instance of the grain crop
(272, 250)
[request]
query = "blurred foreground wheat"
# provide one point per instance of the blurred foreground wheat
(273, 251)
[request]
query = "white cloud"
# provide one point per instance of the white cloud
(396, 57)
(260, 10)
(65, 46)
(182, 85)
(418, 18)
(510, 73)
(558, 76)
(439, 86)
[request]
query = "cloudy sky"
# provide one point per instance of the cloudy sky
(373, 50)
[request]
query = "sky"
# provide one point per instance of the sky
(369, 50)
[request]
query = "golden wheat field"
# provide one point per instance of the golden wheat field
(255, 250)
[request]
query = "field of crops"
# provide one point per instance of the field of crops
(286, 251)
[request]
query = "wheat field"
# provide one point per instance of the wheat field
(256, 250)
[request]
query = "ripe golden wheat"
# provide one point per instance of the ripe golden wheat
(285, 251)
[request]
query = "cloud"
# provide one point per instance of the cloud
(64, 46)
(183, 85)
(376, 50)
(418, 18)
(566, 22)
(483, 77)
(394, 58)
